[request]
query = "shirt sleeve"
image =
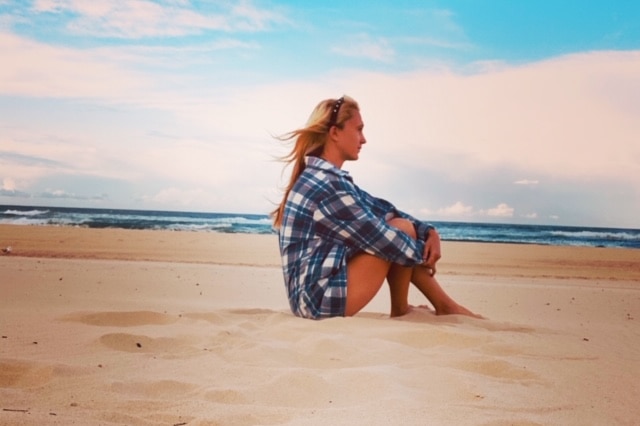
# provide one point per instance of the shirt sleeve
(422, 228)
(385, 207)
(341, 217)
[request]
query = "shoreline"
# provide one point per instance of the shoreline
(459, 258)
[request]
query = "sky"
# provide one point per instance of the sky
(496, 111)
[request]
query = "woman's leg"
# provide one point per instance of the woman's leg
(421, 277)
(366, 273)
(399, 278)
(442, 302)
(425, 282)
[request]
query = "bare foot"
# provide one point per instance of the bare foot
(409, 308)
(400, 311)
(456, 309)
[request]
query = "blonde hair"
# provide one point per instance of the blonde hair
(311, 139)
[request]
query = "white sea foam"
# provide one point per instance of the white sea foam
(25, 212)
(603, 235)
(261, 224)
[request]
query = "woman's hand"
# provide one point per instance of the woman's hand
(431, 251)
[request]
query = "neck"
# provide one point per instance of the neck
(336, 161)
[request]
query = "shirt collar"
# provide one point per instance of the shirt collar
(322, 164)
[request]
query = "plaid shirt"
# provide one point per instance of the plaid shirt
(327, 220)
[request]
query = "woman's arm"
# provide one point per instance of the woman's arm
(342, 217)
(424, 230)
(382, 207)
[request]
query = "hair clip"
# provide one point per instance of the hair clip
(334, 112)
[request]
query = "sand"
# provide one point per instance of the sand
(116, 327)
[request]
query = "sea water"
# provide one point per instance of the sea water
(261, 224)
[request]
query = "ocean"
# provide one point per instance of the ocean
(261, 224)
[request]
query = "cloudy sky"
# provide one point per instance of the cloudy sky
(495, 111)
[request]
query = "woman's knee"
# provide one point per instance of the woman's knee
(403, 225)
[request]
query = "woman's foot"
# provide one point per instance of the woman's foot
(409, 308)
(455, 309)
(398, 311)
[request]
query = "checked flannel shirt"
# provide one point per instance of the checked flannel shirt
(327, 220)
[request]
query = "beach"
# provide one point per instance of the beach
(141, 327)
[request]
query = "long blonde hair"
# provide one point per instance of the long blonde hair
(310, 140)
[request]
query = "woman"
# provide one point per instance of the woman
(338, 243)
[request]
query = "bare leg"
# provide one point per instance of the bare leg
(400, 276)
(365, 275)
(398, 279)
(442, 302)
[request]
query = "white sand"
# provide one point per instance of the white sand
(200, 334)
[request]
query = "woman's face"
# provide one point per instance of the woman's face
(351, 138)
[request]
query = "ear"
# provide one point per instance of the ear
(333, 133)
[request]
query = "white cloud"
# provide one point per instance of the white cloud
(458, 209)
(570, 119)
(248, 17)
(573, 117)
(30, 154)
(365, 46)
(141, 18)
(501, 210)
(441, 28)
(8, 184)
(36, 69)
(47, 5)
(177, 197)
(526, 182)
(62, 194)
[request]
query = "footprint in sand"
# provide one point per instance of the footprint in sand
(438, 337)
(140, 343)
(498, 369)
(121, 319)
(227, 396)
(125, 342)
(161, 389)
(20, 374)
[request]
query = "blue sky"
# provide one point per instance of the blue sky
(494, 111)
